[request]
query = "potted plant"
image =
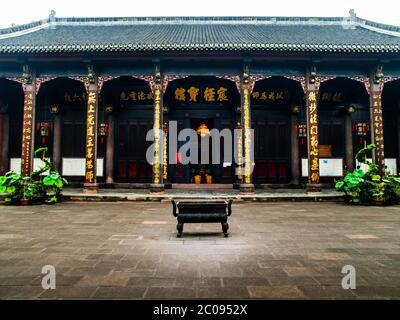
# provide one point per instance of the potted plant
(379, 194)
(351, 186)
(34, 188)
(369, 188)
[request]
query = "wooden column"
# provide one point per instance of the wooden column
(312, 88)
(28, 122)
(110, 150)
(157, 185)
(247, 85)
(90, 185)
(186, 125)
(398, 138)
(4, 139)
(239, 151)
(294, 145)
(165, 151)
(57, 142)
(2, 112)
(348, 136)
(376, 88)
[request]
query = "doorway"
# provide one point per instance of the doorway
(213, 103)
(204, 171)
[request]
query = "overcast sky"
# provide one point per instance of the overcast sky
(24, 11)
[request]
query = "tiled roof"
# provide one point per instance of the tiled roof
(200, 34)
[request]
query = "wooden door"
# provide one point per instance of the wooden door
(272, 152)
(131, 145)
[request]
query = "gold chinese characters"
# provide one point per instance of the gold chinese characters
(90, 138)
(195, 94)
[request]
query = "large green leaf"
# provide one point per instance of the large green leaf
(339, 185)
(52, 200)
(359, 173)
(11, 189)
(376, 177)
(48, 181)
(54, 175)
(59, 183)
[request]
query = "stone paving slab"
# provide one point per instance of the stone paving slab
(129, 250)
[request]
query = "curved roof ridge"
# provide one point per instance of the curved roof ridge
(375, 26)
(23, 27)
(196, 19)
(379, 27)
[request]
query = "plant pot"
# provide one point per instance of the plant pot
(379, 202)
(25, 202)
(347, 198)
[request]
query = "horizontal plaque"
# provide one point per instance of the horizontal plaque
(327, 167)
(76, 167)
(15, 165)
(325, 150)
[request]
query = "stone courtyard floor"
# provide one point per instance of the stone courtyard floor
(130, 250)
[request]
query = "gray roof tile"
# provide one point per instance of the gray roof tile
(91, 35)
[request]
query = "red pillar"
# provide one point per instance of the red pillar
(312, 87)
(376, 88)
(157, 185)
(28, 131)
(1, 138)
(90, 185)
(246, 87)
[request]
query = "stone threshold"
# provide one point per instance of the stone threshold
(77, 195)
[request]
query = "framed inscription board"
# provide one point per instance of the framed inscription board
(327, 167)
(76, 167)
(325, 150)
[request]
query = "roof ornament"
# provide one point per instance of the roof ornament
(91, 74)
(378, 75)
(350, 22)
(27, 74)
(353, 14)
(313, 75)
(52, 19)
(52, 15)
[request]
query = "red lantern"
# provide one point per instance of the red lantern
(44, 129)
(302, 132)
(361, 130)
(165, 127)
(103, 130)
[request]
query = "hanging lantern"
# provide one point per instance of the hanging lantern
(296, 109)
(302, 132)
(361, 130)
(44, 130)
(103, 130)
(202, 130)
(55, 109)
(165, 127)
(351, 109)
(109, 109)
